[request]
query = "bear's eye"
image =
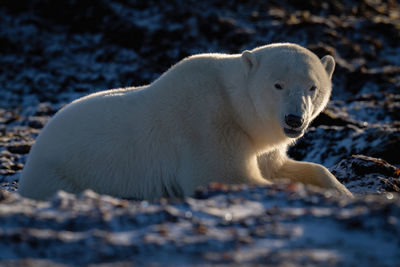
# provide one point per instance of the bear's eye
(313, 88)
(278, 86)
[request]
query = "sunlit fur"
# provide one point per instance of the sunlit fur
(211, 117)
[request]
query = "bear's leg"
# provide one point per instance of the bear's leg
(311, 173)
(275, 164)
(42, 185)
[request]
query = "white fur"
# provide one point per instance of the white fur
(211, 117)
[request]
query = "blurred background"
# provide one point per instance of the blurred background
(55, 51)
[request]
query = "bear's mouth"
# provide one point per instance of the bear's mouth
(293, 133)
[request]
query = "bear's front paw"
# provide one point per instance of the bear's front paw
(343, 190)
(327, 180)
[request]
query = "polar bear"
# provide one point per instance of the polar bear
(209, 118)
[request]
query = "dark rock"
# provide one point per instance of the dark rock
(45, 109)
(329, 144)
(37, 122)
(330, 118)
(124, 33)
(375, 174)
(362, 165)
(19, 148)
(387, 143)
(79, 16)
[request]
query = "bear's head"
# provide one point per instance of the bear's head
(288, 85)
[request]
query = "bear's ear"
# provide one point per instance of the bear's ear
(249, 60)
(329, 63)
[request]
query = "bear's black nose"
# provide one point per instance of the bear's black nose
(293, 120)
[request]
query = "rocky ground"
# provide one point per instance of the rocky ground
(52, 52)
